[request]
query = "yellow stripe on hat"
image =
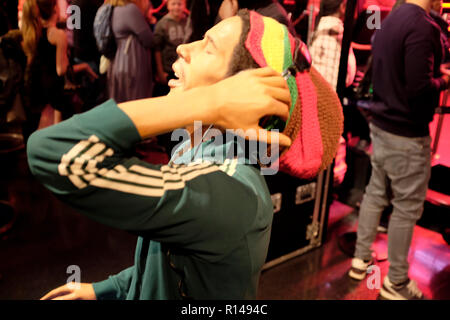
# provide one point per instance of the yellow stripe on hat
(272, 44)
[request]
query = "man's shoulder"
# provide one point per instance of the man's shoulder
(245, 174)
(252, 178)
(165, 18)
(425, 29)
(161, 25)
(409, 22)
(164, 22)
(416, 18)
(240, 171)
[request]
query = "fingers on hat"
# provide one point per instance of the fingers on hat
(280, 109)
(268, 137)
(265, 72)
(281, 95)
(272, 137)
(275, 81)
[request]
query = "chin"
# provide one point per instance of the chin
(176, 89)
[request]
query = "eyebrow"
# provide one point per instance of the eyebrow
(210, 39)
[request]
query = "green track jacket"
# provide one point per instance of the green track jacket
(203, 226)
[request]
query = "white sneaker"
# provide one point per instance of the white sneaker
(406, 291)
(358, 271)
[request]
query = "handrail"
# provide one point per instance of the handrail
(362, 47)
(438, 198)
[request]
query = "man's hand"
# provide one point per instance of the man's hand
(243, 99)
(228, 8)
(72, 291)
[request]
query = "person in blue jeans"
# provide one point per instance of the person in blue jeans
(407, 80)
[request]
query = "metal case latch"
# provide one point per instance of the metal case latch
(305, 193)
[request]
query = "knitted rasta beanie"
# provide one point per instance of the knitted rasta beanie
(315, 120)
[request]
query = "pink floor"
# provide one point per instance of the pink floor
(322, 273)
(443, 151)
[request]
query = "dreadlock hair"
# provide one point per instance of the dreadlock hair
(241, 59)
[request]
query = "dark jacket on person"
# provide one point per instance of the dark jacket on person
(445, 34)
(407, 54)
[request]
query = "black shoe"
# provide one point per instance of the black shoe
(405, 291)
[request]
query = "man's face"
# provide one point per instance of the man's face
(206, 62)
(176, 8)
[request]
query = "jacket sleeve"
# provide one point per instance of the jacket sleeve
(420, 48)
(115, 287)
(84, 162)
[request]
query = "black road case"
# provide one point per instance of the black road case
(300, 214)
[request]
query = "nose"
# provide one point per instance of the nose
(183, 52)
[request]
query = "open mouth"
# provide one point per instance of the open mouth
(179, 76)
(174, 83)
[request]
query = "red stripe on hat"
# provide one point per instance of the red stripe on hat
(304, 157)
(254, 38)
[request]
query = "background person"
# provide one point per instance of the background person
(47, 62)
(407, 80)
(170, 32)
(130, 74)
(326, 45)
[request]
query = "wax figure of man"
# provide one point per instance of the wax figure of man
(203, 226)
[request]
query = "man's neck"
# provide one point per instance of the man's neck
(424, 4)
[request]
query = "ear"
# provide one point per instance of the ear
(342, 7)
(228, 8)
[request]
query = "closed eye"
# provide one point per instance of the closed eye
(210, 43)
